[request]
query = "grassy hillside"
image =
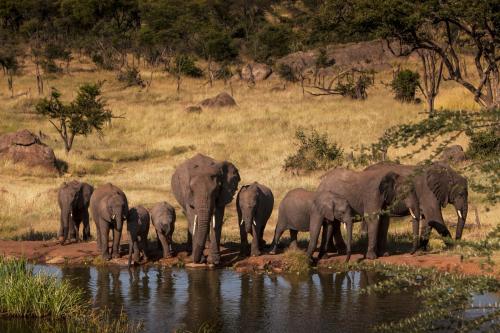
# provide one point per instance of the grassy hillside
(139, 152)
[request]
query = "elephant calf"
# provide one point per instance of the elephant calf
(163, 218)
(293, 214)
(254, 205)
(74, 199)
(109, 208)
(138, 228)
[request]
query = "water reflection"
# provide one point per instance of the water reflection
(166, 300)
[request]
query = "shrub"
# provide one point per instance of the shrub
(484, 144)
(185, 65)
(355, 89)
(314, 152)
(273, 42)
(131, 77)
(405, 85)
(287, 73)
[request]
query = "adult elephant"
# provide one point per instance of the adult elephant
(203, 187)
(109, 208)
(435, 186)
(369, 193)
(74, 199)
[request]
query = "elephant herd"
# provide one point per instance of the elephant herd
(204, 187)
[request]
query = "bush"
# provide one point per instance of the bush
(355, 89)
(220, 47)
(131, 77)
(273, 42)
(185, 65)
(314, 152)
(484, 145)
(287, 73)
(405, 85)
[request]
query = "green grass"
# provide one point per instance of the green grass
(296, 261)
(25, 294)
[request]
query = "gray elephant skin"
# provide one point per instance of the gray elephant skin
(435, 186)
(328, 210)
(369, 194)
(109, 209)
(254, 204)
(74, 199)
(137, 228)
(163, 218)
(203, 187)
(293, 214)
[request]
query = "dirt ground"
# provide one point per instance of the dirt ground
(50, 252)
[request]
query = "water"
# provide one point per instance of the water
(170, 299)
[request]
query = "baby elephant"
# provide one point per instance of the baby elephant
(293, 215)
(254, 204)
(138, 228)
(163, 218)
(328, 211)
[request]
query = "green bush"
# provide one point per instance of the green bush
(273, 42)
(314, 152)
(484, 144)
(287, 73)
(131, 77)
(405, 85)
(355, 89)
(185, 65)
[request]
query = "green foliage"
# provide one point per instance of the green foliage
(287, 73)
(273, 42)
(484, 144)
(87, 113)
(24, 294)
(355, 88)
(405, 85)
(185, 65)
(219, 46)
(314, 152)
(131, 77)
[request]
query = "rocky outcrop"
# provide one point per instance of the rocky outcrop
(256, 72)
(453, 154)
(221, 100)
(25, 147)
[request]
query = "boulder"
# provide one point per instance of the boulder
(221, 100)
(453, 154)
(259, 72)
(25, 147)
(193, 109)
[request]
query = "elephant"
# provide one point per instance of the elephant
(435, 186)
(163, 218)
(203, 187)
(369, 193)
(293, 214)
(328, 210)
(254, 204)
(109, 208)
(74, 200)
(138, 228)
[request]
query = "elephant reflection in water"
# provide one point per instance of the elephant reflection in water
(79, 276)
(108, 293)
(139, 291)
(252, 302)
(204, 303)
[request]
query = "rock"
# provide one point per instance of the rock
(25, 147)
(193, 109)
(259, 72)
(56, 261)
(221, 100)
(453, 154)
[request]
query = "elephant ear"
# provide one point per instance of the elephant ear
(229, 182)
(387, 187)
(325, 205)
(438, 180)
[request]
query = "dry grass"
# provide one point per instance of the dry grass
(139, 153)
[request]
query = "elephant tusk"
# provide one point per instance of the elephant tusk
(242, 221)
(345, 226)
(194, 224)
(71, 214)
(412, 215)
(213, 221)
(255, 224)
(113, 217)
(459, 213)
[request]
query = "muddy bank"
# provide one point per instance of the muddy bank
(50, 252)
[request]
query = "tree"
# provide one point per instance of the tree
(433, 73)
(405, 85)
(87, 113)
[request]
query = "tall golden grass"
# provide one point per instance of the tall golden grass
(139, 152)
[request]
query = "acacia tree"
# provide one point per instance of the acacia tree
(87, 113)
(433, 72)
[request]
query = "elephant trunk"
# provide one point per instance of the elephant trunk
(248, 223)
(200, 230)
(462, 217)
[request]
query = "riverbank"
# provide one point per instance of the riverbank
(50, 252)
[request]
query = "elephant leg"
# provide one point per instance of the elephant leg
(383, 230)
(373, 225)
(145, 247)
(104, 231)
(416, 239)
(293, 239)
(425, 233)
(98, 234)
(162, 240)
(325, 237)
(276, 239)
(60, 233)
(86, 226)
(255, 242)
(314, 230)
(442, 230)
(117, 234)
(243, 241)
(337, 235)
(364, 229)
(215, 234)
(130, 249)
(349, 240)
(75, 231)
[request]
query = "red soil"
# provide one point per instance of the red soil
(50, 252)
